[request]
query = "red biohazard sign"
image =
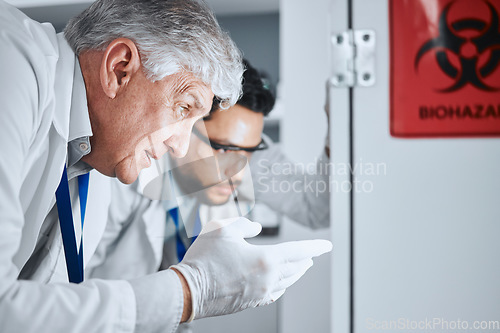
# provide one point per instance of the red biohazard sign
(445, 68)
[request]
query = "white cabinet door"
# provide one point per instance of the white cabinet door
(420, 239)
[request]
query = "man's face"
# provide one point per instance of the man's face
(237, 126)
(146, 120)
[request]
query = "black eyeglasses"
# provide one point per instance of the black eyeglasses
(217, 146)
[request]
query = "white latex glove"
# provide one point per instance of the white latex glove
(226, 274)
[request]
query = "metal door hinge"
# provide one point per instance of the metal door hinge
(353, 58)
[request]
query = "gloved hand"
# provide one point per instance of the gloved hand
(226, 274)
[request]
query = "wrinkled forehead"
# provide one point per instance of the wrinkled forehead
(188, 85)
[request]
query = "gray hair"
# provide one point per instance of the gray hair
(171, 35)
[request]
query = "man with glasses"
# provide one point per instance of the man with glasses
(239, 130)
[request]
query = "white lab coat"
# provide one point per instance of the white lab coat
(292, 189)
(36, 81)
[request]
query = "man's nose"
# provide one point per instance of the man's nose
(232, 165)
(179, 142)
(236, 178)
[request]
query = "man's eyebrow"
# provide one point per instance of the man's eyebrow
(197, 103)
(226, 142)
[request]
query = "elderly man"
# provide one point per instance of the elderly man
(127, 78)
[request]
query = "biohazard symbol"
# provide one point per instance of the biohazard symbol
(467, 49)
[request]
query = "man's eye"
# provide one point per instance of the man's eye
(182, 111)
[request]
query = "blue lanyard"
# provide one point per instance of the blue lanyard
(74, 258)
(181, 248)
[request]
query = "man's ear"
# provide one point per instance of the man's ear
(120, 62)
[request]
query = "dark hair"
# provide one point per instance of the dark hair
(256, 93)
(256, 96)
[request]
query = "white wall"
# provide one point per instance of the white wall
(426, 238)
(303, 70)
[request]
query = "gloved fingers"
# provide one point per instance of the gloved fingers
(236, 226)
(300, 250)
(292, 272)
(216, 225)
(274, 296)
(245, 228)
(289, 269)
(270, 298)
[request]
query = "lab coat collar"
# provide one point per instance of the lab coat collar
(79, 121)
(79, 125)
(70, 94)
(63, 86)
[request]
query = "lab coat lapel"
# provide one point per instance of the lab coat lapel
(98, 201)
(154, 221)
(57, 150)
(63, 87)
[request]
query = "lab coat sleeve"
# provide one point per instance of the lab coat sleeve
(30, 306)
(299, 191)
